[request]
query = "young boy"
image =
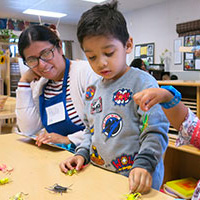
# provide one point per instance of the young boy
(119, 136)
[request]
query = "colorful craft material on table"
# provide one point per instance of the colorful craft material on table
(133, 196)
(3, 181)
(58, 188)
(18, 196)
(71, 172)
(6, 169)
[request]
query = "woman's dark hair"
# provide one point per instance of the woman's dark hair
(137, 63)
(174, 77)
(103, 20)
(36, 33)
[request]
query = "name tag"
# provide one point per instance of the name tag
(55, 113)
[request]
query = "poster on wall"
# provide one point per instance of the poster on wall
(3, 23)
(177, 53)
(145, 52)
(191, 62)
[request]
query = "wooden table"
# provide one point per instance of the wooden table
(37, 168)
(8, 111)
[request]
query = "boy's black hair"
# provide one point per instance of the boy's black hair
(103, 20)
(36, 33)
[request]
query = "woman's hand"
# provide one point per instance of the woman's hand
(71, 163)
(45, 138)
(29, 76)
(151, 96)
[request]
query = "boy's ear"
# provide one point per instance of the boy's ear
(129, 45)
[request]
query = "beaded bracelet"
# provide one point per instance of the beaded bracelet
(175, 100)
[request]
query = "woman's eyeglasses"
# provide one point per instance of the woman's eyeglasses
(46, 55)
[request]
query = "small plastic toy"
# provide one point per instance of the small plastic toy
(58, 188)
(5, 168)
(18, 196)
(3, 181)
(71, 172)
(133, 196)
(145, 119)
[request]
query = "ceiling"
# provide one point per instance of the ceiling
(73, 8)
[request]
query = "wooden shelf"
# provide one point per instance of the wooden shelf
(7, 73)
(183, 161)
(185, 148)
(179, 83)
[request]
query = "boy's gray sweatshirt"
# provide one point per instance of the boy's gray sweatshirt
(119, 136)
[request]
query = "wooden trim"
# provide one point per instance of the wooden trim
(8, 72)
(179, 83)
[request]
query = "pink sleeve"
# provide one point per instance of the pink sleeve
(196, 194)
(189, 132)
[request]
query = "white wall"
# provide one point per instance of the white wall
(158, 24)
(68, 32)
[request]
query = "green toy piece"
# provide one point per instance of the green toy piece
(133, 196)
(18, 196)
(4, 181)
(71, 172)
(145, 119)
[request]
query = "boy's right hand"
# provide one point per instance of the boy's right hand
(151, 96)
(71, 163)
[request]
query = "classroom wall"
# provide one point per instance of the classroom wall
(157, 24)
(68, 32)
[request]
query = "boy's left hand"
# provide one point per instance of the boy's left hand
(140, 180)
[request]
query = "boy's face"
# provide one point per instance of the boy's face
(107, 55)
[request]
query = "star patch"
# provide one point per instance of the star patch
(122, 96)
(90, 92)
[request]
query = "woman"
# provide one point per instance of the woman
(50, 93)
(139, 63)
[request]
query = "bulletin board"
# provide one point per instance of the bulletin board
(191, 62)
(145, 52)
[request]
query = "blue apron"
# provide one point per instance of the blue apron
(66, 126)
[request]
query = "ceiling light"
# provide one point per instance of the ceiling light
(44, 13)
(95, 1)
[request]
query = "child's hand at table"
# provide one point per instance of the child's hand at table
(140, 180)
(151, 96)
(71, 163)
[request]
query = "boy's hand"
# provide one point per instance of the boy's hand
(151, 96)
(71, 163)
(140, 180)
